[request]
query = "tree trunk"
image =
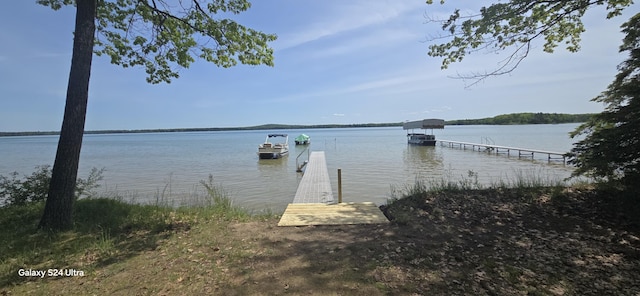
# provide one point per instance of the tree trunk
(59, 207)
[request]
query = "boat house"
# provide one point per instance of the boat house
(423, 138)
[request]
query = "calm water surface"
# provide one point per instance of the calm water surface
(141, 167)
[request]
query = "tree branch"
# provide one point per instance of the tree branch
(488, 23)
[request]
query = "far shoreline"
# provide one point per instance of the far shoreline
(205, 129)
(505, 119)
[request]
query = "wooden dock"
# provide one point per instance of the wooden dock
(313, 203)
(522, 152)
(315, 186)
(303, 214)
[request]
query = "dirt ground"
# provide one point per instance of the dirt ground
(468, 243)
(484, 243)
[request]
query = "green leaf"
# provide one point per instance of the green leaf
(513, 26)
(162, 37)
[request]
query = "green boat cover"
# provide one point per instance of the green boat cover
(302, 138)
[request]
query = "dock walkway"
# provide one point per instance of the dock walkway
(315, 186)
(551, 155)
(313, 203)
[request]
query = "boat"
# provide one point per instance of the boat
(422, 139)
(269, 150)
(303, 139)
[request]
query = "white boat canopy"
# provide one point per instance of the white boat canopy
(276, 135)
(424, 124)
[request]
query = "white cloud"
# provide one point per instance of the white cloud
(407, 80)
(346, 16)
(429, 111)
(376, 39)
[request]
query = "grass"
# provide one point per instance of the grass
(518, 180)
(445, 235)
(106, 230)
(527, 183)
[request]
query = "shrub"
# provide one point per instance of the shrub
(34, 188)
(14, 190)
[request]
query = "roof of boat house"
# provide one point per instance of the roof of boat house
(424, 124)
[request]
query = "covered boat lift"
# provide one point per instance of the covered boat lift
(424, 124)
(422, 138)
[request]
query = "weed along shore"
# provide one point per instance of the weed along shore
(443, 239)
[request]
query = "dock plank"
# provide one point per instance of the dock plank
(315, 186)
(502, 147)
(336, 214)
(551, 155)
(313, 203)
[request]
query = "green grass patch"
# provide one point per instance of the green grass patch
(517, 180)
(106, 230)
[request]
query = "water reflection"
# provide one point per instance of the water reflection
(271, 165)
(423, 160)
(371, 159)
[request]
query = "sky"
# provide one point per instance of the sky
(336, 62)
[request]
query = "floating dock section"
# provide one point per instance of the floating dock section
(313, 203)
(315, 186)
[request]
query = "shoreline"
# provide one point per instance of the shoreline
(536, 241)
(505, 119)
(204, 129)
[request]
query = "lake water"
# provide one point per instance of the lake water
(141, 167)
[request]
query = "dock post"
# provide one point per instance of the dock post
(339, 185)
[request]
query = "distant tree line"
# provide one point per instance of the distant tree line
(505, 119)
(525, 118)
(208, 129)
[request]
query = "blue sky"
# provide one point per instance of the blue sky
(336, 61)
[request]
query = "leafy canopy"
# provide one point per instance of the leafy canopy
(164, 35)
(514, 25)
(611, 148)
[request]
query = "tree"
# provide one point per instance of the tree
(160, 35)
(611, 148)
(513, 26)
